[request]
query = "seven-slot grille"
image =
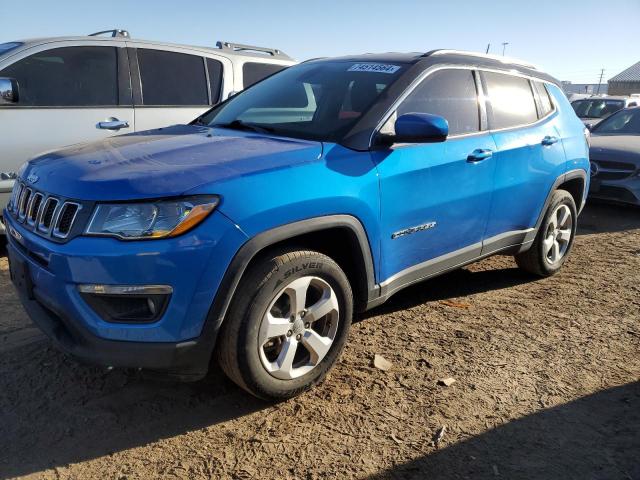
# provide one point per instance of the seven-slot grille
(46, 215)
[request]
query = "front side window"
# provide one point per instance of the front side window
(510, 101)
(596, 107)
(625, 122)
(450, 94)
(172, 79)
(67, 77)
(253, 72)
(317, 101)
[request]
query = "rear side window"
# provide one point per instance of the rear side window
(253, 72)
(67, 77)
(449, 93)
(172, 79)
(546, 107)
(510, 101)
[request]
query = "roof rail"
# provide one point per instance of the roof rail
(499, 58)
(116, 32)
(239, 47)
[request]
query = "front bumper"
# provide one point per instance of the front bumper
(623, 191)
(47, 276)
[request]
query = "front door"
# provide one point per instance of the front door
(68, 95)
(436, 197)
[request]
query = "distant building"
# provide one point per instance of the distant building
(588, 88)
(626, 82)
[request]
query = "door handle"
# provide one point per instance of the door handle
(479, 154)
(112, 123)
(549, 140)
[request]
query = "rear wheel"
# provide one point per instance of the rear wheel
(287, 324)
(554, 240)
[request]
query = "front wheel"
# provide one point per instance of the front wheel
(287, 324)
(554, 240)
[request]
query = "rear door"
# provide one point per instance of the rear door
(67, 92)
(173, 85)
(529, 155)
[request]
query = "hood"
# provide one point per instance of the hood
(162, 163)
(615, 147)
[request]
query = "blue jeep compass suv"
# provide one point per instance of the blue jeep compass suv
(251, 236)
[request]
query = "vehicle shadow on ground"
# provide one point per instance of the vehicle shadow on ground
(58, 412)
(595, 437)
(458, 283)
(599, 217)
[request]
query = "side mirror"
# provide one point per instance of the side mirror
(9, 92)
(589, 126)
(420, 128)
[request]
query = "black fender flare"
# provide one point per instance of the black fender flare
(259, 243)
(565, 177)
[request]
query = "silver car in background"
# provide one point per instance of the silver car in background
(594, 109)
(66, 90)
(615, 158)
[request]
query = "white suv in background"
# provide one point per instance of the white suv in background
(65, 90)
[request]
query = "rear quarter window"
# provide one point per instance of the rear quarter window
(253, 72)
(546, 105)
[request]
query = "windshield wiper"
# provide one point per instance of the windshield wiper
(240, 125)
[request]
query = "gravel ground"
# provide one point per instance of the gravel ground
(547, 387)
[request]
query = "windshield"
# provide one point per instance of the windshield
(597, 107)
(6, 47)
(626, 122)
(315, 101)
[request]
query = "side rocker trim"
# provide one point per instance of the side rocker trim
(513, 242)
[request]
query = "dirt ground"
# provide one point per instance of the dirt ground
(547, 387)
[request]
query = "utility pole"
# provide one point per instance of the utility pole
(504, 46)
(488, 47)
(600, 81)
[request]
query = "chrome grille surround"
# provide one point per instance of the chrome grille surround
(42, 213)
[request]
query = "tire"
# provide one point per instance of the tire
(279, 357)
(551, 246)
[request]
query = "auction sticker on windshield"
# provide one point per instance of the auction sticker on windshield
(374, 67)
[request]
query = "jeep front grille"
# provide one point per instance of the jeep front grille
(46, 215)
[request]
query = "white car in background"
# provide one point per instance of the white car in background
(65, 90)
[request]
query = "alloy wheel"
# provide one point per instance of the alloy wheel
(298, 328)
(559, 233)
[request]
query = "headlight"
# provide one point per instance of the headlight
(147, 220)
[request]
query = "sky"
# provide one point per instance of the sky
(570, 39)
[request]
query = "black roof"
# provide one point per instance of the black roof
(451, 57)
